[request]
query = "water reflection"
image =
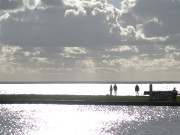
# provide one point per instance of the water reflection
(79, 89)
(15, 121)
(88, 120)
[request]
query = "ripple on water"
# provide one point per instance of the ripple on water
(88, 119)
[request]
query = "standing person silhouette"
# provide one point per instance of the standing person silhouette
(111, 90)
(137, 90)
(174, 95)
(115, 90)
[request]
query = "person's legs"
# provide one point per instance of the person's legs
(116, 92)
(174, 98)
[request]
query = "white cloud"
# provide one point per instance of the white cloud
(75, 50)
(169, 48)
(31, 4)
(126, 5)
(27, 53)
(9, 50)
(142, 65)
(124, 49)
(72, 51)
(41, 60)
(4, 16)
(86, 65)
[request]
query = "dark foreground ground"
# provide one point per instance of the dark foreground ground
(85, 100)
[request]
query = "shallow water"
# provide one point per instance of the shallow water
(40, 119)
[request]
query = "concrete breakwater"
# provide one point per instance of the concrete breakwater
(85, 100)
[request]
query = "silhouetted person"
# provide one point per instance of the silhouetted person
(174, 95)
(111, 90)
(137, 90)
(151, 92)
(115, 90)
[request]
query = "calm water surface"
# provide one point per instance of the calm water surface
(80, 89)
(88, 120)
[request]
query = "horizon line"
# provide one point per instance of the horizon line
(93, 82)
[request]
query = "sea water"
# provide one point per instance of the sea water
(37, 119)
(124, 89)
(42, 119)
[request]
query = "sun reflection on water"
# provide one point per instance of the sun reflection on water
(87, 120)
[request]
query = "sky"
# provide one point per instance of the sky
(89, 40)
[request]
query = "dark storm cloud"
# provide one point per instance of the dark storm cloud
(165, 14)
(52, 2)
(10, 4)
(61, 26)
(91, 23)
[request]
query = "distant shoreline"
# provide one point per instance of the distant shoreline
(90, 82)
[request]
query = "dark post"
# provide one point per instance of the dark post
(150, 92)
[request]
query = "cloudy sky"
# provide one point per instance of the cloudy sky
(89, 40)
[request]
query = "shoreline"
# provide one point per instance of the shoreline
(78, 102)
